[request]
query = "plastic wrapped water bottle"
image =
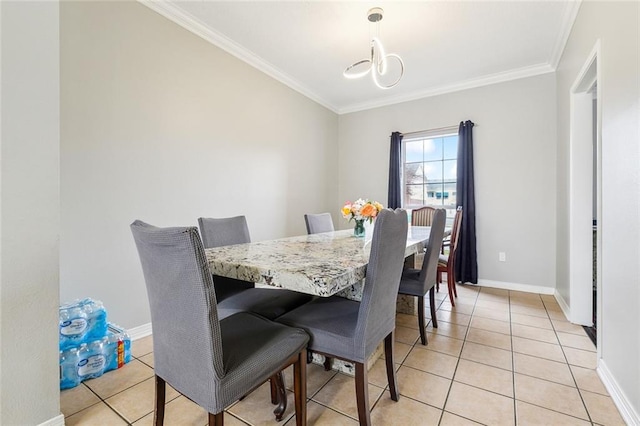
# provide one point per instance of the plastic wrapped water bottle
(92, 359)
(96, 319)
(68, 368)
(73, 325)
(82, 321)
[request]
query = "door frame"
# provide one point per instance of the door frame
(581, 178)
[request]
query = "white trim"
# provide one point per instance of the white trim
(581, 177)
(55, 421)
(527, 288)
(141, 331)
(569, 18)
(629, 415)
(500, 77)
(190, 23)
(563, 305)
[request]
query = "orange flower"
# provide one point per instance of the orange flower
(368, 210)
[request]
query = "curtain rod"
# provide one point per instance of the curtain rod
(419, 132)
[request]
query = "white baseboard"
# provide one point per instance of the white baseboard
(527, 288)
(566, 310)
(56, 421)
(139, 332)
(629, 415)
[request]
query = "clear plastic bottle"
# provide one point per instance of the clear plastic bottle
(68, 368)
(73, 325)
(92, 360)
(96, 319)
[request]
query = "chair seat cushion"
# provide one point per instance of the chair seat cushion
(266, 302)
(443, 260)
(331, 324)
(253, 348)
(410, 273)
(411, 285)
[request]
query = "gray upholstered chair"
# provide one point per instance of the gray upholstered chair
(317, 223)
(417, 282)
(242, 296)
(352, 330)
(218, 232)
(238, 295)
(212, 362)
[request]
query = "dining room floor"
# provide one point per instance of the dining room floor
(498, 357)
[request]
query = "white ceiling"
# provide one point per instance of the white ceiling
(446, 45)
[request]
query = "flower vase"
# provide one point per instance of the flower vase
(358, 230)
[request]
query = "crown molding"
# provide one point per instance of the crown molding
(464, 85)
(188, 22)
(569, 18)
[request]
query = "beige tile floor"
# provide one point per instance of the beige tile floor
(497, 358)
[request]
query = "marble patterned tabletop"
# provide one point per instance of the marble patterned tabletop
(319, 264)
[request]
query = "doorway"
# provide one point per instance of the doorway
(585, 207)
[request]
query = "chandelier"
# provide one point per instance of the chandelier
(378, 62)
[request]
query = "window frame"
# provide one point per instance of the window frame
(421, 136)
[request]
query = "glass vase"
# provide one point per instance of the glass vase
(358, 230)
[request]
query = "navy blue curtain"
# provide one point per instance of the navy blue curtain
(466, 262)
(395, 166)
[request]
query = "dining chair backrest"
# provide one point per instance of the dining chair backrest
(429, 271)
(183, 310)
(317, 223)
(455, 231)
(422, 216)
(218, 232)
(377, 312)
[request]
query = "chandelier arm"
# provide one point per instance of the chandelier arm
(381, 57)
(374, 74)
(353, 75)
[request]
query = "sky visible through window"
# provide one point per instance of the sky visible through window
(430, 171)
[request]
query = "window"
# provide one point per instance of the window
(429, 167)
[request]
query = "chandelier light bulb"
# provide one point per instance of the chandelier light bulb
(378, 60)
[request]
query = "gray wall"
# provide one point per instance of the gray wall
(160, 125)
(616, 25)
(515, 168)
(29, 213)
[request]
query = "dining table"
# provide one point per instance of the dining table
(325, 264)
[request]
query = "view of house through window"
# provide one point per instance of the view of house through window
(430, 171)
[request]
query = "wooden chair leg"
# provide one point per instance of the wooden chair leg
(216, 419)
(362, 394)
(432, 303)
(158, 413)
(438, 280)
(281, 392)
(450, 284)
(391, 370)
(423, 334)
(453, 278)
(300, 388)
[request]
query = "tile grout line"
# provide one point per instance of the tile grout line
(513, 364)
(446, 399)
(584, 404)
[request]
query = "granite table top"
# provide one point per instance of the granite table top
(319, 264)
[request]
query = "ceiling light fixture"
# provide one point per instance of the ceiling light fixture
(378, 62)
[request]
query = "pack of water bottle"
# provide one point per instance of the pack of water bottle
(82, 321)
(89, 345)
